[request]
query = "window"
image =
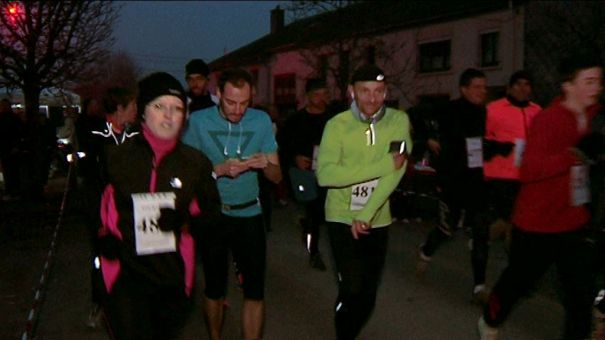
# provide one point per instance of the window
(284, 89)
(435, 56)
(489, 49)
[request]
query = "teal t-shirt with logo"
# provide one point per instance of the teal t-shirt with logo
(220, 140)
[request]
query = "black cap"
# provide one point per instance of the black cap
(315, 84)
(521, 74)
(197, 66)
(156, 85)
(368, 73)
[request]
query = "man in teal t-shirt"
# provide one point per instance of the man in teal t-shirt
(361, 160)
(239, 141)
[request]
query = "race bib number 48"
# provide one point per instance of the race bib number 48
(149, 239)
(360, 194)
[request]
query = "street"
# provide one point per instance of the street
(299, 299)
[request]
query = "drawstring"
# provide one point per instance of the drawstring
(239, 141)
(228, 139)
(238, 151)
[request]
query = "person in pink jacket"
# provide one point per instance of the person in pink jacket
(158, 192)
(506, 127)
(550, 214)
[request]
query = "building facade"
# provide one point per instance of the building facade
(423, 47)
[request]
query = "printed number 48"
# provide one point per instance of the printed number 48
(362, 191)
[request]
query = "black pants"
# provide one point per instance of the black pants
(501, 195)
(314, 218)
(139, 309)
(265, 195)
(89, 204)
(359, 265)
(450, 210)
(531, 254)
(245, 238)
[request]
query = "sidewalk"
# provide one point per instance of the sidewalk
(26, 232)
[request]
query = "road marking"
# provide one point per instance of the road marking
(38, 296)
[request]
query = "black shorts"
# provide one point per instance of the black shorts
(245, 238)
(140, 309)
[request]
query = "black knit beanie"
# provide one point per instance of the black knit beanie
(197, 66)
(155, 85)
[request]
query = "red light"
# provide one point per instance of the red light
(12, 10)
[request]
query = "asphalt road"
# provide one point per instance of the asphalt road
(299, 299)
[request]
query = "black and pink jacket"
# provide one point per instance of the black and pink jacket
(148, 164)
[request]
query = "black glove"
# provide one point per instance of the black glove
(492, 148)
(170, 219)
(109, 246)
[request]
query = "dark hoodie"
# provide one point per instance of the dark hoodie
(458, 120)
(199, 102)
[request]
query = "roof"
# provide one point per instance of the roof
(364, 18)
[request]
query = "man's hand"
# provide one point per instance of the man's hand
(231, 168)
(359, 228)
(303, 162)
(434, 146)
(399, 159)
(257, 161)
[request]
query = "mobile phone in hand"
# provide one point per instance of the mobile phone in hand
(397, 146)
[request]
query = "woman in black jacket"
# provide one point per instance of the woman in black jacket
(158, 190)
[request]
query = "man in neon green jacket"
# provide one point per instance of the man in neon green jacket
(361, 160)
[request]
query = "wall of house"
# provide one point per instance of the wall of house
(464, 35)
(292, 62)
(408, 84)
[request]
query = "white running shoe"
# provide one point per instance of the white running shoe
(486, 332)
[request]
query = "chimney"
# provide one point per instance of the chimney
(277, 19)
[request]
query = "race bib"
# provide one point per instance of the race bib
(149, 238)
(315, 153)
(474, 152)
(519, 150)
(580, 185)
(360, 194)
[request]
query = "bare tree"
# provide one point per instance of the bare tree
(297, 10)
(50, 43)
(343, 47)
(119, 69)
(555, 29)
(331, 56)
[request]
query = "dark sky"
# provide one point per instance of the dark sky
(164, 35)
